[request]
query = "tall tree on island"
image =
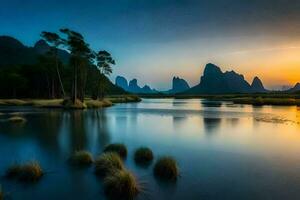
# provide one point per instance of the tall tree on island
(81, 58)
(104, 62)
(55, 42)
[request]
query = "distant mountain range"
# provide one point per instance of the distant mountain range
(178, 85)
(214, 81)
(13, 52)
(133, 86)
(296, 88)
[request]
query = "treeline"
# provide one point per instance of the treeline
(84, 74)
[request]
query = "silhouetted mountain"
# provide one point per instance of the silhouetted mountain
(214, 81)
(113, 89)
(13, 52)
(41, 47)
(133, 86)
(296, 88)
(257, 85)
(122, 82)
(178, 85)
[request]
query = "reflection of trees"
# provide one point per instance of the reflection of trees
(78, 135)
(232, 121)
(47, 129)
(59, 133)
(99, 121)
(179, 103)
(206, 103)
(178, 121)
(44, 128)
(211, 125)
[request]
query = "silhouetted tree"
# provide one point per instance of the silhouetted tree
(81, 58)
(55, 42)
(104, 62)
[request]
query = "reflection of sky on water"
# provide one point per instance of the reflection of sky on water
(225, 151)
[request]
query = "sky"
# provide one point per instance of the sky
(154, 40)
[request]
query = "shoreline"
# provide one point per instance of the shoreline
(59, 103)
(245, 99)
(258, 99)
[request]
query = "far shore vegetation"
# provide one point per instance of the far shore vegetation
(276, 98)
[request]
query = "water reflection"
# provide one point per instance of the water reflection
(178, 121)
(169, 127)
(206, 103)
(232, 121)
(211, 125)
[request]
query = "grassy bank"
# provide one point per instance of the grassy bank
(59, 103)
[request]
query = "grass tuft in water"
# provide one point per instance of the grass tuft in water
(166, 168)
(143, 156)
(28, 172)
(121, 184)
(107, 163)
(82, 158)
(17, 119)
(117, 148)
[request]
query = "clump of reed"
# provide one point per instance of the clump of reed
(121, 184)
(28, 172)
(81, 158)
(166, 168)
(107, 163)
(143, 156)
(117, 148)
(17, 119)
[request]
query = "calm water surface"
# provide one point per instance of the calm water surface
(224, 151)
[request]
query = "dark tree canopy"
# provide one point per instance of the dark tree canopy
(47, 76)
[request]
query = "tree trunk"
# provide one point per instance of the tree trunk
(75, 85)
(52, 89)
(59, 77)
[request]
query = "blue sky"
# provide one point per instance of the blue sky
(156, 39)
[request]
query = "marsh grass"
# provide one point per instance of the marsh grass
(47, 103)
(13, 102)
(143, 156)
(117, 148)
(124, 99)
(166, 168)
(81, 158)
(107, 163)
(121, 184)
(17, 119)
(28, 172)
(98, 103)
(67, 103)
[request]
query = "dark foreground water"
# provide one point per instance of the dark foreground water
(224, 151)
